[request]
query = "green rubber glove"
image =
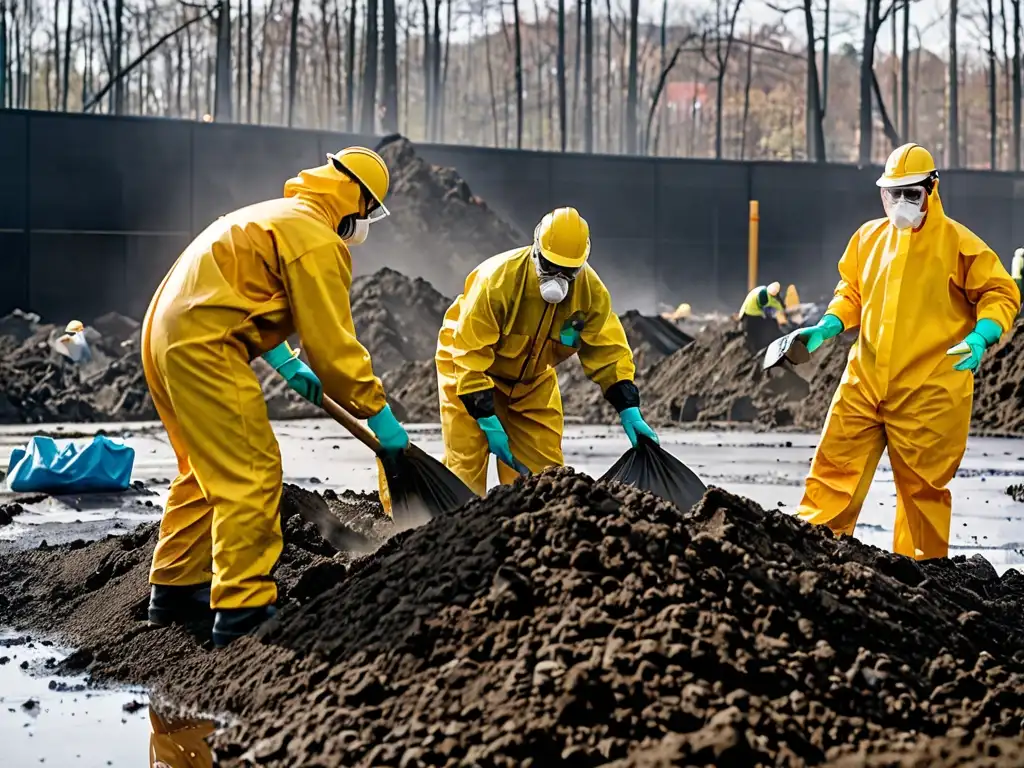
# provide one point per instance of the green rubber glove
(300, 377)
(827, 327)
(390, 434)
(497, 440)
(985, 334)
(635, 426)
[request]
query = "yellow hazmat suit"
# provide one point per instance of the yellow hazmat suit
(913, 294)
(249, 281)
(499, 333)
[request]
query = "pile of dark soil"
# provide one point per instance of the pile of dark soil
(436, 219)
(396, 317)
(999, 387)
(581, 622)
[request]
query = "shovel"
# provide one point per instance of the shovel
(789, 348)
(421, 487)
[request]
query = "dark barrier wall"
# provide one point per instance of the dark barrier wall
(93, 210)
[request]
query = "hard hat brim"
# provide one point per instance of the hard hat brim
(886, 182)
(561, 261)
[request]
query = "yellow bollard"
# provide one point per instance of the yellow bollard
(755, 218)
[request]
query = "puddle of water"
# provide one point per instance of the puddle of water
(51, 720)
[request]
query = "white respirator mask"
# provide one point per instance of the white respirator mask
(903, 206)
(354, 231)
(554, 289)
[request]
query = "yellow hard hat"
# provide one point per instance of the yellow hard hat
(368, 168)
(75, 326)
(909, 164)
(563, 238)
(774, 288)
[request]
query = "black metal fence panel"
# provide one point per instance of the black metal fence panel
(93, 210)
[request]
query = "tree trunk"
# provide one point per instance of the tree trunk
(588, 87)
(67, 56)
(574, 122)
(490, 77)
(867, 74)
(435, 73)
(826, 58)
(443, 90)
(814, 112)
(631, 97)
(992, 127)
(118, 95)
(390, 66)
(350, 70)
(905, 73)
(371, 52)
(265, 65)
(519, 74)
(248, 61)
(4, 57)
(746, 95)
(953, 106)
(428, 69)
(293, 61)
(56, 59)
(222, 105)
(561, 75)
(1016, 85)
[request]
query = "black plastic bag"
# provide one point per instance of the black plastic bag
(650, 467)
(421, 487)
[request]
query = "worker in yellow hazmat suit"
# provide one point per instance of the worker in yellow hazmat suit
(243, 286)
(520, 314)
(915, 283)
(760, 330)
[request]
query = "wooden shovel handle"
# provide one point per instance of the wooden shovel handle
(351, 423)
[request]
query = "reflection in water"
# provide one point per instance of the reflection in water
(179, 742)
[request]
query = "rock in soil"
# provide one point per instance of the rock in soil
(568, 620)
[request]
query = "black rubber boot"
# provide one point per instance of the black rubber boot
(179, 605)
(233, 623)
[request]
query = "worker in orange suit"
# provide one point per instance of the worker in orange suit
(921, 288)
(248, 282)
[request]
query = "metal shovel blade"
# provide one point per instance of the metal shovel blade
(790, 348)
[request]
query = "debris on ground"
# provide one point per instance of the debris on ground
(583, 620)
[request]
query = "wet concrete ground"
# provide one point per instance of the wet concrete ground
(767, 468)
(318, 455)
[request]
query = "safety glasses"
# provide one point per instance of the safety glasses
(913, 195)
(547, 269)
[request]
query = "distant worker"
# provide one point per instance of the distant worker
(916, 284)
(793, 314)
(1017, 269)
(520, 314)
(245, 284)
(757, 315)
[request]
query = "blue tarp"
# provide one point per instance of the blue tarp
(43, 467)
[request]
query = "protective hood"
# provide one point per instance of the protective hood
(328, 193)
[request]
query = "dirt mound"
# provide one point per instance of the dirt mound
(561, 616)
(396, 317)
(436, 217)
(999, 387)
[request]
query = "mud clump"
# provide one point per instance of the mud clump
(586, 621)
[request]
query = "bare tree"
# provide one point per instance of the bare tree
(562, 128)
(1016, 84)
(222, 105)
(350, 69)
(953, 104)
(67, 56)
(631, 135)
(588, 87)
(874, 17)
(390, 66)
(293, 60)
(519, 73)
(990, 22)
(721, 34)
(368, 109)
(905, 72)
